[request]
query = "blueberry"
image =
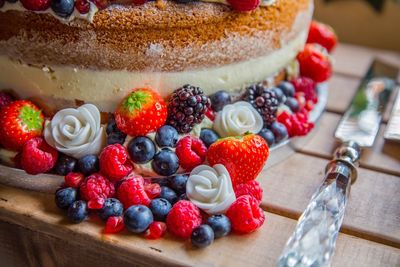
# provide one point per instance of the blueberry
(160, 207)
(112, 207)
(112, 126)
(160, 181)
(78, 211)
(178, 183)
(202, 236)
(165, 162)
(279, 94)
(219, 100)
(65, 165)
(279, 130)
(116, 138)
(168, 194)
(292, 104)
(208, 136)
(167, 136)
(65, 197)
(268, 136)
(287, 88)
(88, 164)
(63, 8)
(141, 149)
(137, 218)
(220, 224)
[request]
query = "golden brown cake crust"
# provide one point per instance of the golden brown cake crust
(154, 37)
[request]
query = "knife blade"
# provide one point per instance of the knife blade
(314, 238)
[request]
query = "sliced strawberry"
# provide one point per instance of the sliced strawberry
(314, 63)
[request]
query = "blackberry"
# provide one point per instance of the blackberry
(264, 100)
(187, 107)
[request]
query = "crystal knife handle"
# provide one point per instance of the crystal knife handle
(314, 238)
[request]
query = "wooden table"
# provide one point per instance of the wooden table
(34, 231)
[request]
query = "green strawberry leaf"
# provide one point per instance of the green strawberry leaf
(31, 118)
(135, 101)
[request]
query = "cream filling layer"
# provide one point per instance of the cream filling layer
(105, 89)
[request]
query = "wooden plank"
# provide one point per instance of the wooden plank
(383, 156)
(37, 211)
(341, 91)
(373, 210)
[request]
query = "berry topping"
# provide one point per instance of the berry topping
(131, 192)
(114, 135)
(293, 104)
(156, 230)
(160, 207)
(187, 107)
(220, 225)
(137, 218)
(280, 131)
(244, 157)
(36, 5)
(112, 207)
(167, 136)
(114, 162)
(323, 35)
(287, 88)
(268, 136)
(65, 197)
(245, 215)
(141, 112)
(178, 183)
(83, 6)
(191, 152)
(210, 114)
(264, 100)
(141, 149)
(37, 156)
(244, 5)
(88, 164)
(296, 124)
(152, 190)
(78, 211)
(208, 136)
(168, 194)
(5, 98)
(114, 225)
(307, 86)
(315, 63)
(74, 179)
(219, 100)
(183, 218)
(202, 236)
(65, 164)
(165, 162)
(95, 190)
(20, 121)
(251, 188)
(63, 8)
(279, 94)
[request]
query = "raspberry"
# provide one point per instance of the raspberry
(82, 6)
(306, 86)
(37, 156)
(36, 5)
(152, 190)
(131, 192)
(73, 179)
(183, 218)
(245, 215)
(251, 188)
(114, 225)
(156, 230)
(244, 5)
(191, 152)
(5, 99)
(296, 124)
(315, 63)
(114, 162)
(95, 190)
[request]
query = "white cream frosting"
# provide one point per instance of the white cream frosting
(210, 188)
(237, 119)
(76, 132)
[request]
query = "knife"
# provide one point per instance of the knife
(314, 238)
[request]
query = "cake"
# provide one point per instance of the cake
(158, 112)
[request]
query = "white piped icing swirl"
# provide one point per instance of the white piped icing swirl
(237, 119)
(76, 132)
(210, 189)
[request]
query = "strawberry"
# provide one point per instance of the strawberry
(36, 5)
(20, 121)
(244, 157)
(323, 35)
(315, 63)
(244, 5)
(141, 112)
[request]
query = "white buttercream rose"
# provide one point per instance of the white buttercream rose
(237, 119)
(76, 132)
(210, 189)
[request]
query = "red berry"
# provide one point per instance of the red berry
(323, 35)
(306, 86)
(296, 124)
(139, 2)
(210, 114)
(245, 215)
(191, 152)
(101, 4)
(36, 5)
(74, 179)
(152, 190)
(83, 6)
(131, 192)
(114, 162)
(314, 63)
(156, 230)
(114, 225)
(244, 5)
(5, 99)
(37, 156)
(251, 188)
(183, 218)
(95, 190)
